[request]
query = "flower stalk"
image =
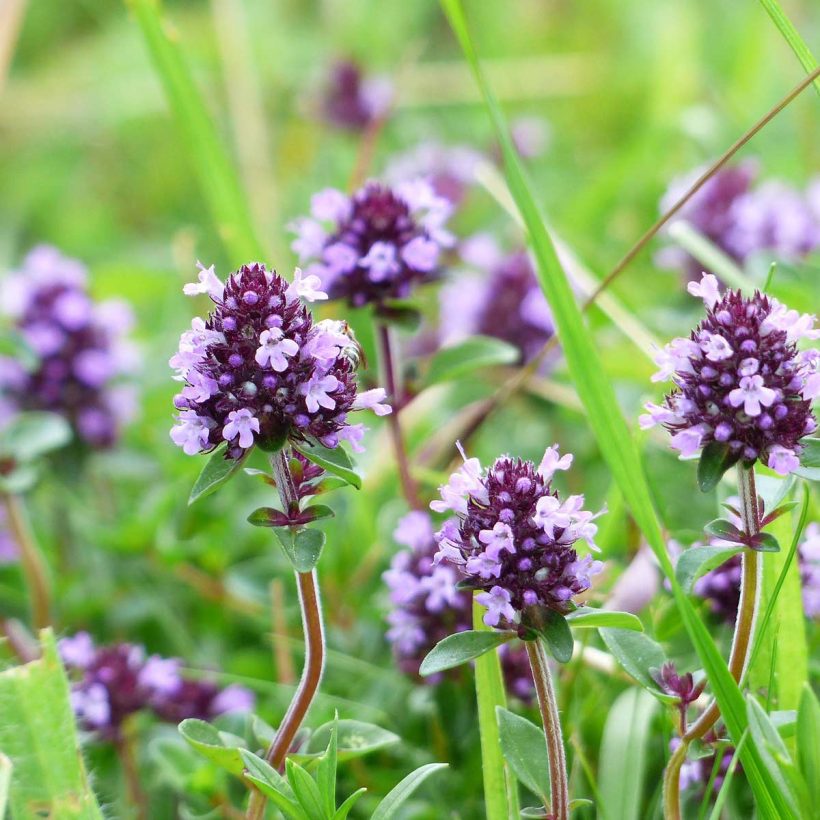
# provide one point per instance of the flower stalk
(547, 704)
(741, 642)
(395, 397)
(311, 609)
(32, 562)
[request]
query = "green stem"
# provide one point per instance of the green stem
(32, 562)
(741, 642)
(559, 785)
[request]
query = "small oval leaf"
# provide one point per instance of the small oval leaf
(268, 517)
(457, 649)
(637, 653)
(217, 471)
(597, 618)
(307, 549)
(556, 634)
(354, 739)
(525, 749)
(33, 434)
(723, 529)
(765, 542)
(335, 461)
(219, 747)
(697, 561)
(715, 460)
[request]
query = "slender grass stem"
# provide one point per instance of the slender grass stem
(741, 642)
(559, 784)
(32, 562)
(395, 397)
(124, 747)
(313, 627)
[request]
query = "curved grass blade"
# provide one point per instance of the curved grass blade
(796, 42)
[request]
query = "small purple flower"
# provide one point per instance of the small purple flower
(743, 220)
(505, 301)
(427, 606)
(352, 101)
(377, 244)
(514, 538)
(740, 380)
(111, 683)
(81, 348)
(259, 368)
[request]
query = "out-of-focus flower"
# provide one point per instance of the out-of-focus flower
(504, 301)
(353, 101)
(696, 774)
(81, 348)
(427, 606)
(110, 683)
(377, 244)
(740, 380)
(513, 537)
(259, 369)
(742, 220)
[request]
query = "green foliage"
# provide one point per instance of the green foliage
(218, 470)
(335, 461)
(525, 749)
(587, 618)
(303, 547)
(637, 653)
(468, 357)
(625, 755)
(460, 648)
(697, 561)
(714, 461)
(393, 801)
(41, 753)
(221, 748)
(792, 37)
(808, 748)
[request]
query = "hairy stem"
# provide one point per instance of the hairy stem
(32, 562)
(395, 397)
(742, 640)
(552, 729)
(311, 608)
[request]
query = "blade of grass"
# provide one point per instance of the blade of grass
(790, 34)
(213, 165)
(500, 786)
(613, 435)
(727, 782)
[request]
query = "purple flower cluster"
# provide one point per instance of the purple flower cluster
(721, 586)
(352, 101)
(505, 301)
(513, 537)
(80, 348)
(740, 380)
(110, 683)
(682, 687)
(427, 606)
(742, 220)
(375, 245)
(259, 370)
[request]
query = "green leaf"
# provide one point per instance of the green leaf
(637, 653)
(20, 479)
(305, 789)
(765, 542)
(217, 471)
(268, 517)
(500, 788)
(613, 436)
(808, 742)
(386, 810)
(38, 737)
(587, 618)
(326, 772)
(460, 648)
(307, 549)
(344, 809)
(623, 757)
(315, 512)
(726, 530)
(809, 460)
(475, 353)
(795, 41)
(697, 561)
(221, 748)
(272, 785)
(33, 434)
(335, 461)
(355, 738)
(715, 460)
(554, 630)
(525, 749)
(400, 313)
(211, 161)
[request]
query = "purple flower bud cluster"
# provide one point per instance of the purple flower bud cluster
(740, 379)
(80, 347)
(352, 101)
(513, 537)
(259, 369)
(682, 687)
(427, 606)
(110, 683)
(742, 220)
(377, 244)
(721, 586)
(505, 301)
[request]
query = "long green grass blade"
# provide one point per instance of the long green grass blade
(613, 435)
(500, 787)
(48, 777)
(212, 163)
(796, 42)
